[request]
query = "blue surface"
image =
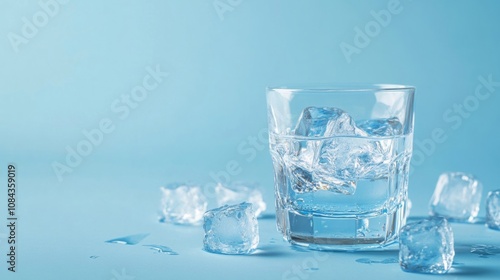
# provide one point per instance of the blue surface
(206, 121)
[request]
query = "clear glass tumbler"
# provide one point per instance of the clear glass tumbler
(341, 159)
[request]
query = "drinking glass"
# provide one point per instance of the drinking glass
(341, 157)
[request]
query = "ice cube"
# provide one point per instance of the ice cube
(336, 164)
(356, 158)
(407, 206)
(304, 180)
(231, 229)
(346, 160)
(325, 122)
(426, 246)
(304, 152)
(239, 192)
(182, 204)
(319, 122)
(457, 197)
(362, 157)
(381, 127)
(493, 210)
(328, 182)
(301, 180)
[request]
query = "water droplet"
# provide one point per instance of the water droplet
(390, 260)
(162, 249)
(384, 261)
(364, 260)
(128, 240)
(485, 251)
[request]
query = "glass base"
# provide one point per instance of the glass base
(341, 233)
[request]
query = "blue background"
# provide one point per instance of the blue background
(209, 113)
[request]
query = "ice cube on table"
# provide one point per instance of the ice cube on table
(239, 192)
(381, 127)
(325, 122)
(457, 197)
(426, 246)
(231, 229)
(182, 204)
(493, 209)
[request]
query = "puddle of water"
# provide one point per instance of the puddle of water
(485, 251)
(364, 260)
(384, 261)
(162, 249)
(128, 240)
(265, 216)
(390, 260)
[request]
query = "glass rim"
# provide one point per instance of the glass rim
(340, 87)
